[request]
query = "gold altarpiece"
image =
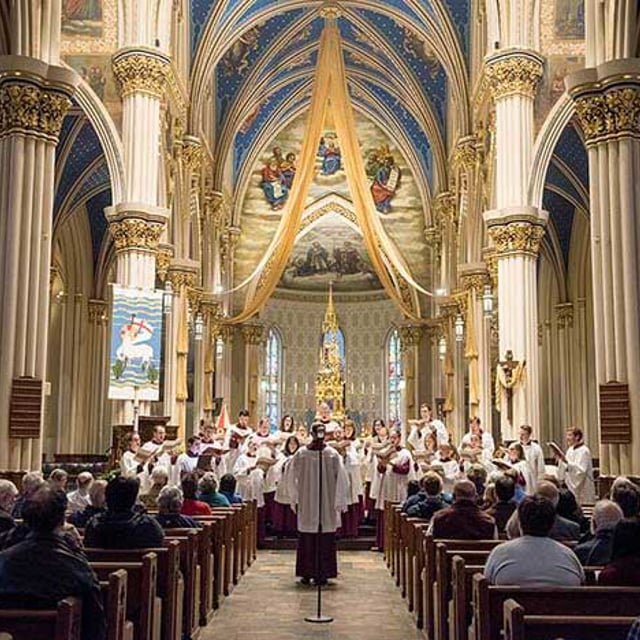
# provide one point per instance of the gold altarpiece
(330, 377)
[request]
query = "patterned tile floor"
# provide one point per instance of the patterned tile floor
(268, 604)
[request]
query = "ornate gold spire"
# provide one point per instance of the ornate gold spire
(330, 322)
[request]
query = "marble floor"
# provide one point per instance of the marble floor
(269, 604)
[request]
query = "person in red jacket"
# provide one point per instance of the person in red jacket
(192, 506)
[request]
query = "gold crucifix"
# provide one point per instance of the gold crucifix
(509, 366)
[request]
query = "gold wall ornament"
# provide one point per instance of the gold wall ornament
(140, 70)
(564, 315)
(514, 73)
(134, 233)
(164, 256)
(254, 333)
(192, 153)
(464, 154)
(474, 281)
(410, 336)
(212, 312)
(26, 106)
(444, 209)
(516, 238)
(182, 278)
(612, 112)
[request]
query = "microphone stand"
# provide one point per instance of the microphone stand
(319, 618)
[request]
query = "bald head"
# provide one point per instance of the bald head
(549, 491)
(606, 514)
(465, 490)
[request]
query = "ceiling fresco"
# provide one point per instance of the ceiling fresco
(329, 246)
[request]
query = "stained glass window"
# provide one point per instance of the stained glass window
(395, 376)
(273, 376)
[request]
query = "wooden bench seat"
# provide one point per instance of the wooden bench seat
(488, 603)
(114, 592)
(62, 623)
(520, 626)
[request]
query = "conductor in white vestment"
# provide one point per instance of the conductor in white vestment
(304, 467)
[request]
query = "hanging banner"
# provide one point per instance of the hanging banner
(136, 343)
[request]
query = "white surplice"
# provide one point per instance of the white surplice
(394, 485)
(577, 473)
(418, 434)
(353, 469)
(304, 489)
(535, 458)
(486, 441)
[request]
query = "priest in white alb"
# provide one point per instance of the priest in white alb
(317, 556)
(575, 468)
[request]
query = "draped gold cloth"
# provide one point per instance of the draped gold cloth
(330, 91)
(471, 354)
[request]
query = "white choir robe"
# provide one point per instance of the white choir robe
(524, 468)
(452, 473)
(577, 473)
(304, 489)
(352, 467)
(173, 470)
(77, 501)
(485, 459)
(535, 458)
(284, 490)
(394, 485)
(417, 435)
(487, 442)
(249, 479)
(273, 475)
(219, 467)
(129, 468)
(187, 463)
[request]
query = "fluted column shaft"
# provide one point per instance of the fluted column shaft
(608, 103)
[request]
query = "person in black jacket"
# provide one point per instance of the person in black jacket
(43, 568)
(170, 503)
(429, 500)
(597, 550)
(122, 526)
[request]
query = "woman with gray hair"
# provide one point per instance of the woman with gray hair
(31, 482)
(8, 495)
(170, 503)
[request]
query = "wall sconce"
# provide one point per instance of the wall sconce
(219, 347)
(167, 297)
(442, 347)
(459, 328)
(487, 300)
(198, 326)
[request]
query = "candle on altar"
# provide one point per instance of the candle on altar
(362, 391)
(352, 388)
(306, 388)
(373, 388)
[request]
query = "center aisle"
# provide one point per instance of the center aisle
(269, 603)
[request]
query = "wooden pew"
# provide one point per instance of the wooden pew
(141, 602)
(461, 603)
(520, 626)
(114, 592)
(222, 548)
(416, 558)
(62, 623)
(488, 603)
(170, 582)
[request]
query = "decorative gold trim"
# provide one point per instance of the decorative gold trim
(163, 260)
(134, 233)
(28, 106)
(97, 310)
(410, 336)
(254, 334)
(516, 238)
(141, 71)
(514, 73)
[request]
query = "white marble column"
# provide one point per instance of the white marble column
(34, 97)
(607, 101)
(255, 336)
(516, 228)
(410, 339)
(138, 222)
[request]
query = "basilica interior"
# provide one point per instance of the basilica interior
(212, 206)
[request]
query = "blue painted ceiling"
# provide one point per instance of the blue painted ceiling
(272, 46)
(82, 176)
(567, 186)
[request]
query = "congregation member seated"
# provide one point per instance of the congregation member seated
(209, 491)
(170, 504)
(478, 475)
(228, 489)
(624, 568)
(8, 495)
(191, 506)
(79, 499)
(159, 479)
(463, 520)
(43, 569)
(597, 549)
(429, 500)
(569, 508)
(534, 559)
(97, 505)
(562, 529)
(503, 509)
(58, 479)
(625, 494)
(31, 482)
(121, 526)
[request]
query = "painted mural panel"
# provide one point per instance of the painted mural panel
(569, 19)
(82, 18)
(552, 85)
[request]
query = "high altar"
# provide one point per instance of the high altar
(330, 377)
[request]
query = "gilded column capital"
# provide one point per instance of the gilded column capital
(410, 336)
(464, 154)
(224, 332)
(514, 72)
(183, 273)
(517, 238)
(607, 112)
(29, 105)
(564, 315)
(135, 233)
(164, 255)
(192, 153)
(448, 307)
(444, 208)
(141, 70)
(97, 311)
(254, 334)
(211, 309)
(474, 279)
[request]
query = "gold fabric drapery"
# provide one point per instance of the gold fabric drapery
(471, 354)
(449, 372)
(182, 351)
(330, 91)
